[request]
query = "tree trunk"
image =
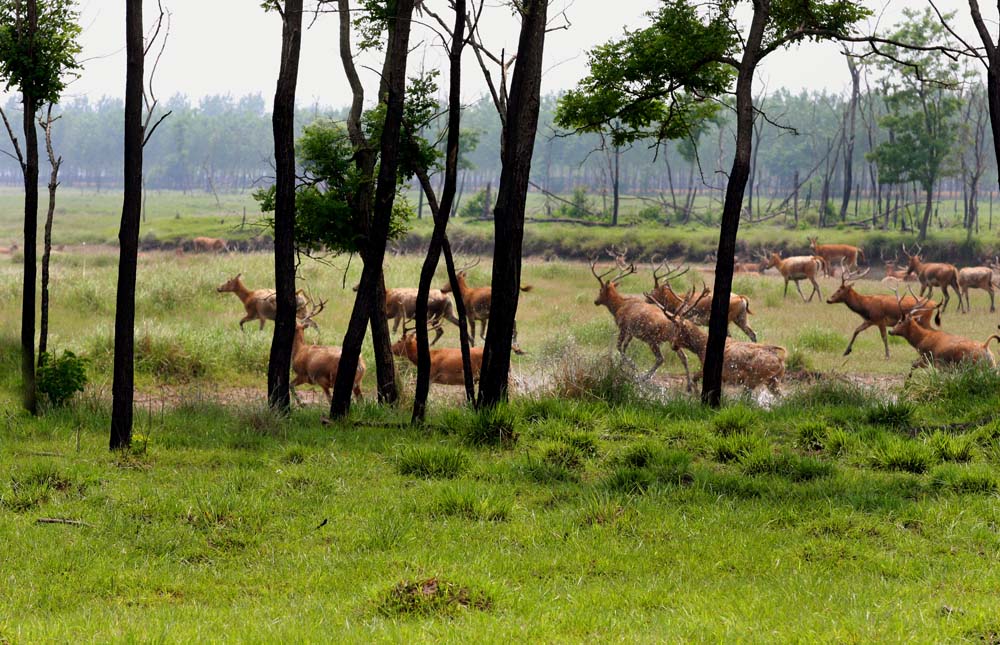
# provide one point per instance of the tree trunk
(795, 198)
(371, 291)
(122, 389)
(850, 122)
(718, 324)
(928, 211)
(440, 228)
(30, 232)
(615, 186)
(517, 147)
(54, 162)
(283, 126)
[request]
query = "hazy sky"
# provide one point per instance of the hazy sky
(232, 46)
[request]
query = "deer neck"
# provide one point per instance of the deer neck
(667, 295)
(855, 302)
(241, 291)
(299, 341)
(411, 349)
(613, 300)
(693, 338)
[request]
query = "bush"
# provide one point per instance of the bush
(820, 339)
(838, 442)
(812, 435)
(476, 206)
(955, 387)
(597, 378)
(61, 376)
(431, 462)
(735, 446)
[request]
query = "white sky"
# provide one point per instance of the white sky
(232, 46)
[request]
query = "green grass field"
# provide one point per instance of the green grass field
(595, 507)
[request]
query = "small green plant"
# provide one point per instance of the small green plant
(561, 454)
(433, 462)
(890, 414)
(602, 509)
(463, 501)
(798, 360)
(838, 442)
(820, 339)
(735, 446)
(61, 376)
(785, 464)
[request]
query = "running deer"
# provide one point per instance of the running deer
(636, 319)
(975, 278)
(882, 311)
(317, 364)
(401, 306)
(836, 254)
(748, 364)
(795, 268)
(446, 364)
(934, 274)
(939, 348)
(260, 304)
(739, 306)
(207, 244)
(477, 301)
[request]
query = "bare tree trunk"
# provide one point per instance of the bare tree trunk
(517, 147)
(122, 389)
(283, 126)
(54, 163)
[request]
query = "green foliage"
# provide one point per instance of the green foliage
(39, 64)
(476, 206)
(579, 208)
(61, 376)
(462, 500)
(496, 426)
(951, 447)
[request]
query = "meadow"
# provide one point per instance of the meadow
(855, 507)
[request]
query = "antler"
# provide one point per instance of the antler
(600, 278)
(847, 275)
(471, 265)
(620, 256)
(690, 302)
(667, 275)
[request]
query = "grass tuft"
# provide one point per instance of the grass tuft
(951, 447)
(894, 453)
(897, 415)
(430, 597)
(964, 479)
(463, 501)
(734, 420)
(786, 464)
(735, 446)
(431, 462)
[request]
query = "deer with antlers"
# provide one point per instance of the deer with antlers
(934, 274)
(882, 311)
(739, 306)
(893, 272)
(401, 306)
(748, 364)
(446, 363)
(794, 269)
(210, 244)
(636, 318)
(317, 364)
(477, 301)
(260, 304)
(975, 278)
(939, 348)
(843, 254)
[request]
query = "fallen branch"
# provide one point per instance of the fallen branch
(60, 520)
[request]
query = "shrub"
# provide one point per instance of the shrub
(798, 360)
(955, 387)
(496, 426)
(61, 376)
(557, 453)
(601, 378)
(431, 461)
(820, 339)
(838, 442)
(735, 446)
(829, 392)
(543, 471)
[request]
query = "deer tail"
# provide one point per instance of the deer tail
(746, 301)
(526, 287)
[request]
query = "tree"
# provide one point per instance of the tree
(654, 79)
(38, 49)
(519, 115)
(395, 19)
(138, 129)
(54, 165)
(283, 125)
(850, 121)
(922, 111)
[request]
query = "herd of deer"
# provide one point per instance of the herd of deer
(664, 315)
(318, 364)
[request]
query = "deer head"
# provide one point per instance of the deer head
(847, 280)
(232, 284)
(609, 288)
(307, 320)
(913, 259)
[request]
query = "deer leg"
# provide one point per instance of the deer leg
(659, 360)
(357, 393)
(992, 308)
(947, 297)
(439, 333)
(744, 324)
(863, 326)
(815, 291)
(885, 340)
(799, 289)
(786, 288)
(395, 324)
(687, 370)
(247, 319)
(485, 322)
(472, 332)
(262, 320)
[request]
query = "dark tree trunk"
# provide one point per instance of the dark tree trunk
(928, 211)
(795, 198)
(283, 125)
(122, 389)
(517, 147)
(718, 324)
(850, 121)
(54, 162)
(30, 168)
(371, 293)
(440, 227)
(993, 98)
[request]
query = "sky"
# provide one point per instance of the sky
(233, 46)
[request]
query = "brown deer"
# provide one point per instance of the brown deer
(939, 348)
(795, 268)
(975, 278)
(8, 250)
(880, 311)
(893, 272)
(934, 274)
(446, 364)
(739, 306)
(317, 364)
(401, 306)
(260, 304)
(748, 364)
(636, 319)
(836, 254)
(210, 244)
(477, 301)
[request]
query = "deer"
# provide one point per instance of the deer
(208, 244)
(882, 311)
(795, 268)
(477, 301)
(933, 274)
(446, 363)
(939, 348)
(317, 364)
(748, 364)
(836, 253)
(401, 306)
(9, 250)
(738, 266)
(975, 278)
(636, 319)
(893, 272)
(739, 306)
(260, 304)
